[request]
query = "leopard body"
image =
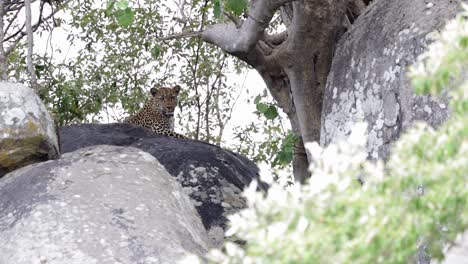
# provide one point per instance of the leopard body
(157, 114)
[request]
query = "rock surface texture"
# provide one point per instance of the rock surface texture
(27, 133)
(458, 254)
(103, 204)
(214, 178)
(368, 80)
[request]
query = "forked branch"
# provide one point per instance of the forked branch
(238, 36)
(241, 39)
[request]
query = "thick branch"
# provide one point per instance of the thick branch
(241, 39)
(277, 39)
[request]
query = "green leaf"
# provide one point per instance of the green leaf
(109, 8)
(155, 52)
(262, 108)
(464, 41)
(216, 8)
(122, 4)
(236, 6)
(257, 99)
(38, 68)
(125, 17)
(271, 112)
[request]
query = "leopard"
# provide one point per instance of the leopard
(158, 113)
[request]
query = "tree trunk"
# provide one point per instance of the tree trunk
(295, 63)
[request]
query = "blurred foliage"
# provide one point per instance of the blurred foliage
(417, 199)
(267, 139)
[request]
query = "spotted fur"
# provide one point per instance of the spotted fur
(158, 112)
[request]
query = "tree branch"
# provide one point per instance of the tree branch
(10, 22)
(20, 33)
(29, 30)
(234, 40)
(276, 39)
(188, 34)
(234, 19)
(15, 5)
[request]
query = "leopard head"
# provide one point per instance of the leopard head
(164, 100)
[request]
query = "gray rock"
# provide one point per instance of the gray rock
(213, 177)
(458, 254)
(368, 81)
(102, 204)
(27, 133)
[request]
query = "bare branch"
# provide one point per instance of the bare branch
(181, 6)
(234, 40)
(180, 20)
(234, 19)
(10, 22)
(276, 39)
(19, 34)
(286, 12)
(15, 5)
(29, 30)
(189, 34)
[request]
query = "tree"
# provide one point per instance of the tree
(419, 197)
(116, 57)
(15, 29)
(293, 63)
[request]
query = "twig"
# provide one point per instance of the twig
(234, 19)
(11, 21)
(182, 35)
(21, 33)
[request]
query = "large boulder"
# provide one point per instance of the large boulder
(102, 204)
(27, 133)
(368, 80)
(214, 178)
(458, 254)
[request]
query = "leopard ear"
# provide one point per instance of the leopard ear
(177, 88)
(154, 91)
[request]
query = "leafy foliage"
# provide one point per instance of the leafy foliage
(236, 6)
(418, 197)
(121, 11)
(114, 56)
(270, 141)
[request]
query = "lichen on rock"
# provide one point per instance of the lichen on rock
(27, 133)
